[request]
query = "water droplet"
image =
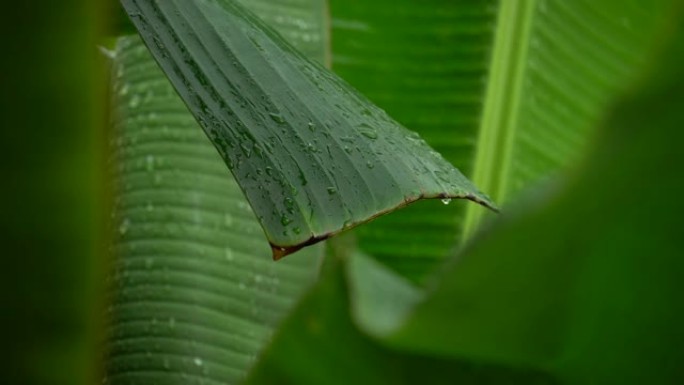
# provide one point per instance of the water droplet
(227, 219)
(289, 205)
(123, 227)
(368, 131)
(149, 163)
(332, 190)
(277, 118)
(297, 230)
(370, 164)
(134, 102)
(312, 126)
(197, 361)
(446, 201)
(284, 220)
(124, 89)
(246, 149)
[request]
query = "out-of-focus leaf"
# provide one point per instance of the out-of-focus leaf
(584, 291)
(312, 155)
(425, 63)
(320, 344)
(51, 143)
(195, 292)
(555, 67)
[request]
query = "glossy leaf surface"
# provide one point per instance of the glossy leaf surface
(313, 156)
(566, 291)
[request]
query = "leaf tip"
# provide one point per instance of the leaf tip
(280, 252)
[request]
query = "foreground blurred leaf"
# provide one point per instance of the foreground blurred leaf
(313, 156)
(584, 291)
(425, 63)
(51, 144)
(195, 292)
(555, 67)
(320, 344)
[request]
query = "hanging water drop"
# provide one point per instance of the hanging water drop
(446, 201)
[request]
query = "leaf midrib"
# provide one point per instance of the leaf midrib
(497, 128)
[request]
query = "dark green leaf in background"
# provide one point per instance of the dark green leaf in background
(313, 156)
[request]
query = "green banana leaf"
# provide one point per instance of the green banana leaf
(313, 156)
(194, 292)
(557, 291)
(556, 65)
(425, 63)
(550, 69)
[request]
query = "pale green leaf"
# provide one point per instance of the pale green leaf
(195, 294)
(556, 66)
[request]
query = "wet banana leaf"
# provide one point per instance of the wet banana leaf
(557, 292)
(313, 156)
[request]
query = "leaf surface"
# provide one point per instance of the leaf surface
(426, 64)
(586, 290)
(195, 294)
(313, 156)
(556, 66)
(564, 291)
